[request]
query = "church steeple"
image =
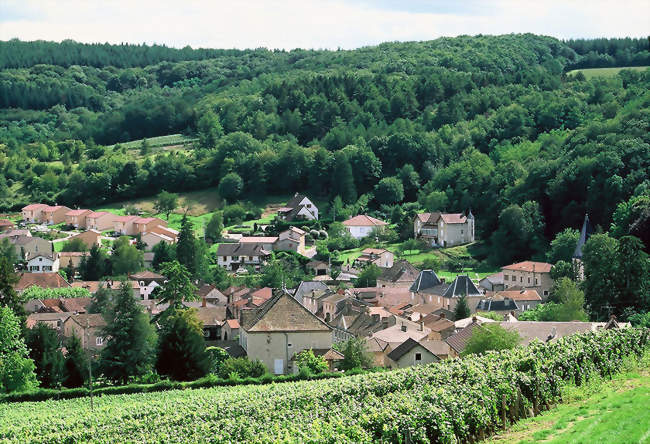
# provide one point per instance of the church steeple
(585, 234)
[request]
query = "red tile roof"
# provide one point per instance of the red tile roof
(31, 207)
(76, 212)
(364, 221)
(6, 223)
(125, 218)
(453, 218)
(530, 266)
(44, 280)
(518, 295)
(96, 214)
(233, 323)
(53, 208)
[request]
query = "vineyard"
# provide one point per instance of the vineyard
(454, 401)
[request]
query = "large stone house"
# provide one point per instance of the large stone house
(29, 246)
(88, 328)
(89, 238)
(146, 224)
(361, 226)
(401, 274)
(376, 256)
(298, 208)
(242, 254)
(444, 229)
(292, 239)
(279, 329)
(124, 225)
(529, 274)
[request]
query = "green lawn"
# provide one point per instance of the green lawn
(616, 411)
(604, 72)
(155, 142)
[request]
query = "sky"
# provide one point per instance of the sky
(319, 24)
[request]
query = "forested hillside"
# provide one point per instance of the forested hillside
(490, 123)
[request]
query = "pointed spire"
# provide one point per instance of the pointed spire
(470, 215)
(585, 234)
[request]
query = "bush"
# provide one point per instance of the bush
(310, 364)
(242, 367)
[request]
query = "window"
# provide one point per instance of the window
(99, 341)
(40, 259)
(289, 344)
(529, 280)
(536, 281)
(47, 268)
(521, 279)
(461, 231)
(506, 277)
(206, 333)
(545, 292)
(418, 356)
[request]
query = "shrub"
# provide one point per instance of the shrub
(242, 367)
(308, 363)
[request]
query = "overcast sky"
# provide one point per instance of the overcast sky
(313, 23)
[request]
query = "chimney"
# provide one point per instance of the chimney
(375, 317)
(421, 325)
(204, 302)
(442, 315)
(474, 319)
(403, 327)
(442, 280)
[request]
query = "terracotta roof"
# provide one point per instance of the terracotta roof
(96, 214)
(424, 217)
(375, 345)
(147, 275)
(43, 280)
(453, 218)
(259, 239)
(35, 318)
(6, 223)
(77, 212)
(79, 305)
(52, 209)
(364, 221)
(73, 253)
(126, 218)
(437, 347)
(530, 266)
(440, 325)
(544, 331)
(521, 295)
(145, 220)
(374, 251)
(232, 323)
(32, 207)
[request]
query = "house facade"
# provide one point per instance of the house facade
(362, 226)
(410, 353)
(147, 282)
(43, 263)
(242, 254)
(292, 239)
(377, 256)
(100, 221)
(89, 238)
(125, 225)
(444, 229)
(300, 207)
(77, 218)
(71, 258)
(33, 213)
(53, 215)
(29, 246)
(145, 224)
(529, 275)
(88, 328)
(279, 329)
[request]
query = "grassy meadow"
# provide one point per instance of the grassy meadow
(590, 73)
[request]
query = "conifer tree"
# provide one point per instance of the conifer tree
(462, 310)
(43, 344)
(130, 349)
(342, 180)
(186, 246)
(76, 364)
(182, 336)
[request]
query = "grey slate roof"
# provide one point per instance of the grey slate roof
(401, 270)
(241, 249)
(459, 340)
(585, 234)
(426, 279)
(492, 305)
(462, 286)
(405, 347)
(306, 287)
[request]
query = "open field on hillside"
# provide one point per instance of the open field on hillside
(599, 412)
(157, 142)
(590, 73)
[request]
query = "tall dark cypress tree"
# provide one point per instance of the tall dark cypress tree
(43, 344)
(76, 364)
(186, 246)
(342, 179)
(462, 310)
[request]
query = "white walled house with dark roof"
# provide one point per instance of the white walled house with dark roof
(242, 254)
(42, 263)
(300, 207)
(362, 225)
(444, 229)
(280, 328)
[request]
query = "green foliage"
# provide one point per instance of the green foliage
(131, 339)
(95, 266)
(162, 253)
(308, 362)
(186, 246)
(491, 336)
(231, 186)
(563, 246)
(8, 296)
(178, 286)
(43, 344)
(8, 251)
(214, 227)
(355, 355)
(75, 244)
(182, 335)
(343, 180)
(16, 368)
(521, 228)
(217, 355)
(640, 320)
(569, 305)
(76, 364)
(389, 191)
(241, 367)
(365, 408)
(126, 258)
(166, 203)
(462, 311)
(101, 301)
(368, 277)
(35, 292)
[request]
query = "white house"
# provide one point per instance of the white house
(298, 208)
(43, 263)
(242, 254)
(148, 281)
(361, 226)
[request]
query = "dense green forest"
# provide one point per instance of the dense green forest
(490, 123)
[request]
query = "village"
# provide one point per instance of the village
(409, 316)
